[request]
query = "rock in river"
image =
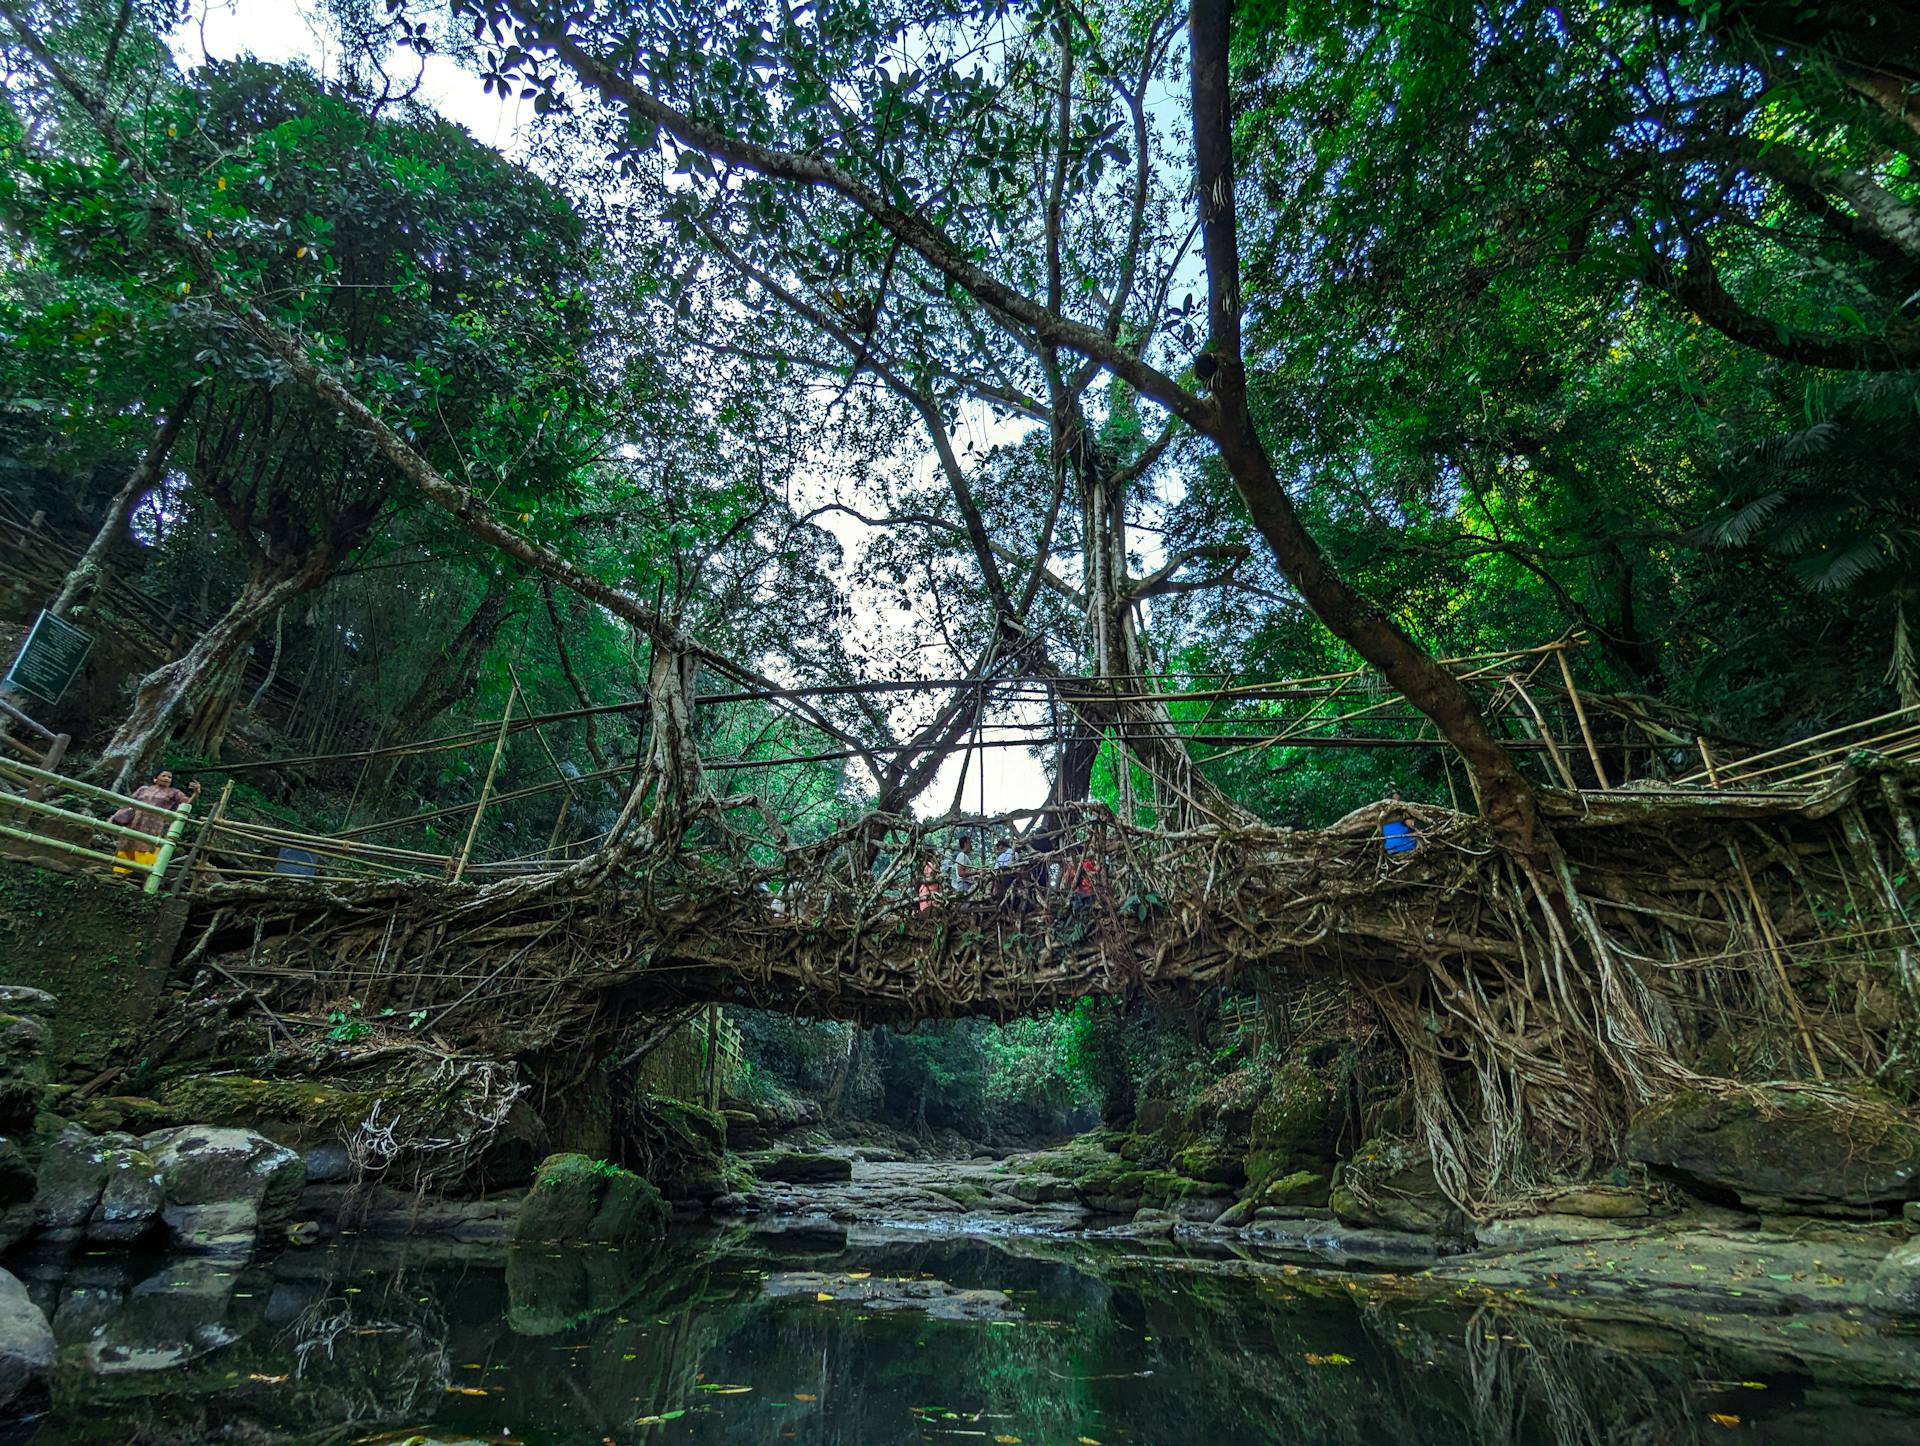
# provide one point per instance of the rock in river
(220, 1188)
(26, 1342)
(1780, 1146)
(577, 1199)
(796, 1169)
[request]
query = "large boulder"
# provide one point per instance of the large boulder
(26, 1343)
(797, 1169)
(1390, 1184)
(576, 1199)
(73, 1172)
(220, 1188)
(1778, 1147)
(17, 1185)
(130, 1199)
(1895, 1288)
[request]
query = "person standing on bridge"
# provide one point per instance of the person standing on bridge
(964, 868)
(929, 880)
(159, 794)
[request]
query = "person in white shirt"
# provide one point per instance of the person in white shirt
(964, 868)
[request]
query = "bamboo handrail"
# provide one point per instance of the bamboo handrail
(1799, 743)
(99, 825)
(120, 800)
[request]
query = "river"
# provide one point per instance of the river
(868, 1336)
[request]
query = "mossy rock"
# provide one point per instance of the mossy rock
(799, 1169)
(684, 1145)
(1212, 1161)
(577, 1199)
(1390, 1184)
(1302, 1187)
(1291, 1126)
(1774, 1146)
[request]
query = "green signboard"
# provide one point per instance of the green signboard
(50, 658)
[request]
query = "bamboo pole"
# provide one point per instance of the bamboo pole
(85, 790)
(97, 825)
(1706, 757)
(206, 832)
(1546, 735)
(1580, 712)
(164, 856)
(1816, 738)
(77, 850)
(486, 786)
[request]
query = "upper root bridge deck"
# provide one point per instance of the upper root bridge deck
(562, 963)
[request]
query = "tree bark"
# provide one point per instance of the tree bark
(1506, 796)
(89, 572)
(175, 686)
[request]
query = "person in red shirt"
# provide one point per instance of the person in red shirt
(160, 794)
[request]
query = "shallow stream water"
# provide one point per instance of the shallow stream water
(774, 1338)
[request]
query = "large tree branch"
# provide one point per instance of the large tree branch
(1506, 796)
(918, 234)
(946, 524)
(1696, 285)
(1161, 580)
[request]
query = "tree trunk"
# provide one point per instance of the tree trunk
(1507, 797)
(90, 571)
(165, 693)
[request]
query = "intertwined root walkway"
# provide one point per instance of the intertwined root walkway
(1699, 903)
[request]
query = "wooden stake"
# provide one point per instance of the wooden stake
(1706, 757)
(713, 1057)
(1580, 712)
(558, 819)
(486, 787)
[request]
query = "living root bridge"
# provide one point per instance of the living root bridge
(1670, 923)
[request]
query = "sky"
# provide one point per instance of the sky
(998, 780)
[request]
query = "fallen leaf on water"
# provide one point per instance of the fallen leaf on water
(1332, 1358)
(858, 1274)
(1008, 1440)
(468, 1390)
(823, 1295)
(265, 1380)
(1086, 1441)
(1721, 1418)
(804, 1396)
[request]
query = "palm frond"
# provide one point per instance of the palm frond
(1839, 568)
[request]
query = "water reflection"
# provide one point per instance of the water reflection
(773, 1339)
